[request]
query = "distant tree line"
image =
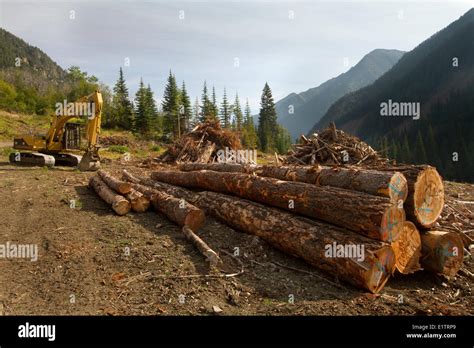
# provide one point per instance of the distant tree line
(143, 116)
(178, 116)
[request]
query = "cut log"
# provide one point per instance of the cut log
(385, 184)
(407, 249)
(307, 174)
(218, 167)
(317, 243)
(181, 212)
(175, 209)
(442, 252)
(129, 177)
(119, 204)
(425, 199)
(366, 214)
(139, 202)
(293, 235)
(114, 183)
(160, 186)
(210, 254)
(380, 183)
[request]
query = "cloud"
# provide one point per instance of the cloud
(292, 54)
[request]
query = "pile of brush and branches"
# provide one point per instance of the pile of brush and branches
(107, 140)
(201, 144)
(332, 147)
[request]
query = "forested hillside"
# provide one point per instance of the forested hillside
(439, 75)
(31, 82)
(309, 106)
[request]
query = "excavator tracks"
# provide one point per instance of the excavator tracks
(43, 160)
(32, 159)
(67, 159)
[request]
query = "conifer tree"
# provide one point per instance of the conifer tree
(249, 134)
(393, 153)
(152, 111)
(214, 108)
(406, 153)
(267, 125)
(420, 149)
(237, 110)
(185, 110)
(225, 111)
(283, 140)
(206, 105)
(432, 146)
(170, 106)
(122, 111)
(142, 120)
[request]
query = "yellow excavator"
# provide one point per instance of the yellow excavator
(64, 136)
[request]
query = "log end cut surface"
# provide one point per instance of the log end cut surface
(140, 204)
(428, 197)
(398, 188)
(392, 224)
(121, 207)
(407, 249)
(195, 219)
(442, 252)
(381, 270)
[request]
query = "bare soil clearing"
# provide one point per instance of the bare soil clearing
(84, 268)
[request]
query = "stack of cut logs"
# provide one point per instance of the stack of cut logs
(320, 214)
(124, 196)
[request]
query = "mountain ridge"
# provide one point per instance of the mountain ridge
(311, 104)
(439, 75)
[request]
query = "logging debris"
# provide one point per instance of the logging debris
(332, 147)
(201, 144)
(106, 140)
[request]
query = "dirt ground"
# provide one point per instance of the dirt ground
(84, 267)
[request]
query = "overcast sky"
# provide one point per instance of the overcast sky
(294, 45)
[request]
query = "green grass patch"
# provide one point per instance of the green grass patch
(118, 148)
(14, 125)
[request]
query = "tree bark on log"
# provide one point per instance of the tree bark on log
(114, 183)
(119, 204)
(293, 235)
(189, 217)
(311, 242)
(407, 249)
(380, 183)
(385, 184)
(425, 199)
(160, 186)
(307, 174)
(217, 167)
(139, 202)
(442, 252)
(366, 214)
(176, 209)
